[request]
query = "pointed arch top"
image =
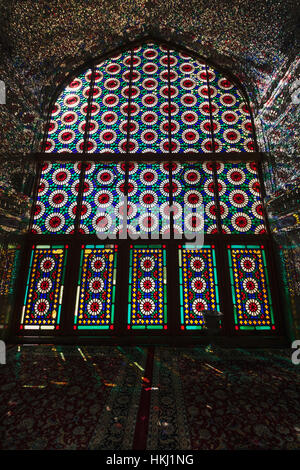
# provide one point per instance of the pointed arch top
(150, 97)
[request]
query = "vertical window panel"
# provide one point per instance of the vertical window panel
(109, 110)
(148, 198)
(149, 100)
(44, 288)
(190, 114)
(240, 199)
(198, 284)
(68, 117)
(147, 300)
(250, 288)
(103, 191)
(195, 189)
(55, 208)
(232, 127)
(95, 296)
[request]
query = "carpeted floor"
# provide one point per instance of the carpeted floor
(112, 398)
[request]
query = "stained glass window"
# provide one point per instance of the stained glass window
(150, 99)
(194, 196)
(232, 127)
(55, 208)
(198, 284)
(148, 198)
(109, 110)
(102, 206)
(147, 300)
(190, 118)
(44, 288)
(149, 105)
(66, 128)
(95, 297)
(240, 200)
(250, 288)
(145, 106)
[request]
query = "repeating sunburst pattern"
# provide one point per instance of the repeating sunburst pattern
(150, 99)
(56, 203)
(250, 288)
(44, 288)
(147, 301)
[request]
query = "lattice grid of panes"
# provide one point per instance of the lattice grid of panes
(150, 99)
(44, 288)
(66, 128)
(232, 127)
(250, 288)
(149, 106)
(193, 201)
(109, 109)
(240, 199)
(55, 208)
(102, 201)
(149, 197)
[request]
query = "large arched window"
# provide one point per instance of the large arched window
(164, 134)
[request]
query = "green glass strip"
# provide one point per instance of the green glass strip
(64, 267)
(113, 310)
(93, 327)
(129, 312)
(272, 314)
(80, 269)
(235, 314)
(229, 258)
(214, 257)
(58, 314)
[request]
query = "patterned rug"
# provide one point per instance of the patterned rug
(113, 398)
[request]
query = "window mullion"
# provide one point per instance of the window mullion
(83, 164)
(262, 195)
(171, 215)
(129, 100)
(38, 167)
(45, 136)
(246, 97)
(214, 164)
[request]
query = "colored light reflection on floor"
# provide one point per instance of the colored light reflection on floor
(192, 398)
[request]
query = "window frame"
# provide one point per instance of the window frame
(76, 240)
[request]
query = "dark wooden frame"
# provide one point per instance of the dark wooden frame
(220, 240)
